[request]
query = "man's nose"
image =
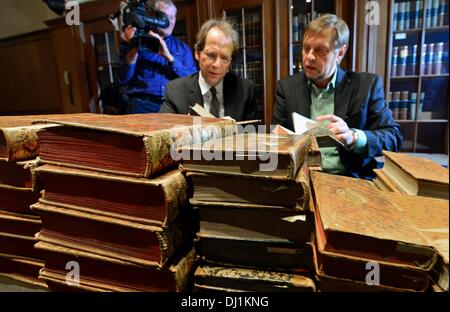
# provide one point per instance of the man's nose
(217, 61)
(310, 55)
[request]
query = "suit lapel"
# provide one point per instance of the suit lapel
(342, 94)
(303, 96)
(228, 91)
(195, 94)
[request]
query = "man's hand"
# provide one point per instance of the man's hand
(339, 128)
(126, 36)
(164, 51)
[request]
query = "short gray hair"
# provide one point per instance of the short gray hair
(221, 24)
(330, 20)
(152, 4)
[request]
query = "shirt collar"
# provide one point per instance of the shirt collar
(331, 85)
(204, 86)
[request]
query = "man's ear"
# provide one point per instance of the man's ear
(341, 54)
(197, 55)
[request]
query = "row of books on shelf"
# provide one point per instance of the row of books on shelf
(408, 15)
(433, 60)
(254, 71)
(252, 28)
(404, 106)
(299, 23)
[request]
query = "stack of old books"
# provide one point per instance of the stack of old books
(114, 208)
(369, 240)
(252, 192)
(19, 188)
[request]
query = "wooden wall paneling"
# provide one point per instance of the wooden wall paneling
(361, 35)
(283, 39)
(28, 75)
(187, 11)
(346, 9)
(69, 54)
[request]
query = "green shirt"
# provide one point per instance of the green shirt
(322, 103)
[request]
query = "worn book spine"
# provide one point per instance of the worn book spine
(20, 143)
(19, 174)
(159, 145)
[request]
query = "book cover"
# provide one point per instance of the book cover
(355, 219)
(416, 175)
(23, 271)
(250, 154)
(18, 137)
(270, 253)
(116, 238)
(227, 188)
(18, 246)
(17, 199)
(139, 145)
(19, 174)
(114, 274)
(239, 279)
(20, 224)
(259, 223)
(156, 201)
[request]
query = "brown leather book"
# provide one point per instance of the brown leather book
(111, 274)
(18, 246)
(354, 219)
(250, 154)
(20, 224)
(18, 137)
(17, 199)
(269, 253)
(24, 271)
(258, 191)
(19, 174)
(239, 279)
(430, 217)
(116, 238)
(155, 201)
(139, 145)
(416, 175)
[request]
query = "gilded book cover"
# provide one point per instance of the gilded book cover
(355, 219)
(18, 137)
(116, 275)
(250, 154)
(116, 238)
(139, 145)
(238, 279)
(156, 201)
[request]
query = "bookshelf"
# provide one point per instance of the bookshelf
(301, 12)
(253, 60)
(417, 73)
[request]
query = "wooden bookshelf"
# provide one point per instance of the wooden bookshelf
(417, 73)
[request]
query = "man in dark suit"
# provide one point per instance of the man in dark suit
(219, 92)
(350, 104)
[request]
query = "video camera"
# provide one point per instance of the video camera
(135, 14)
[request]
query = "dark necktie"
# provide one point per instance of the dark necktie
(214, 103)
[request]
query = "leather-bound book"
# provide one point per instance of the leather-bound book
(24, 272)
(258, 191)
(17, 199)
(250, 154)
(416, 175)
(19, 174)
(19, 246)
(156, 201)
(139, 145)
(355, 220)
(216, 278)
(21, 224)
(116, 238)
(99, 273)
(18, 137)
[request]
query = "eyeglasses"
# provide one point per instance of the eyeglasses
(212, 57)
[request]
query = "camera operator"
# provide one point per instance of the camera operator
(145, 73)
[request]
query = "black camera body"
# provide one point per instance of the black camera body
(135, 14)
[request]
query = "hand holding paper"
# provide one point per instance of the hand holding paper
(339, 128)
